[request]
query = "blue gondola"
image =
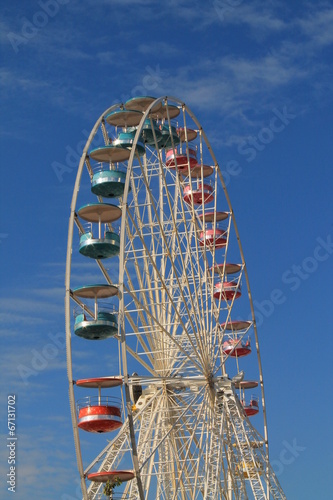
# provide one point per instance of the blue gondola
(105, 326)
(126, 139)
(99, 248)
(108, 183)
(168, 140)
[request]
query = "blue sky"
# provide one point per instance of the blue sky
(258, 76)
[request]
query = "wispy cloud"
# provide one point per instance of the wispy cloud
(24, 305)
(53, 293)
(236, 86)
(10, 80)
(230, 84)
(42, 454)
(106, 57)
(255, 15)
(242, 88)
(15, 319)
(318, 26)
(166, 49)
(128, 3)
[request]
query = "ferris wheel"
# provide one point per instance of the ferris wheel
(182, 413)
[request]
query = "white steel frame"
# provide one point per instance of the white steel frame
(190, 437)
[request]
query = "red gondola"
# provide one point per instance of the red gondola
(172, 156)
(236, 348)
(99, 414)
(112, 475)
(103, 417)
(199, 194)
(227, 290)
(207, 237)
(251, 408)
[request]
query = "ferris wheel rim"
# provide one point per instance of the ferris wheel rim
(120, 287)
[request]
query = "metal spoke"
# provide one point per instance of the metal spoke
(186, 434)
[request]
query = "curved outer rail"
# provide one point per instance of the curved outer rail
(164, 100)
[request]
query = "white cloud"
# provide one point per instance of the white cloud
(24, 305)
(318, 26)
(16, 319)
(54, 293)
(10, 80)
(255, 15)
(228, 83)
(161, 48)
(128, 3)
(24, 365)
(107, 57)
(271, 70)
(46, 463)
